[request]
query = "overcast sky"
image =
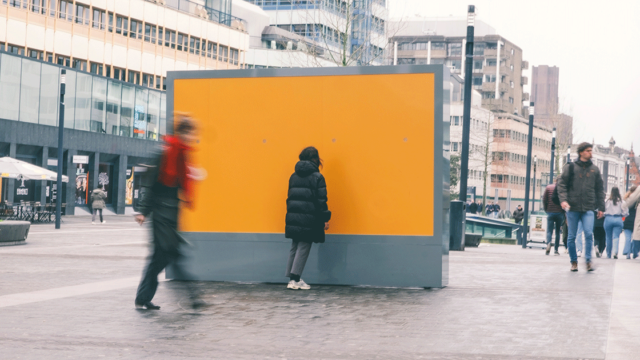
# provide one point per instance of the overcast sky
(596, 45)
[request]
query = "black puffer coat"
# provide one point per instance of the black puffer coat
(307, 209)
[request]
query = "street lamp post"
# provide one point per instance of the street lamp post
(466, 115)
(527, 186)
(63, 76)
(569, 154)
(535, 168)
(627, 178)
(553, 155)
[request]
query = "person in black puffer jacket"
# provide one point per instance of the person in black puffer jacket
(630, 246)
(307, 214)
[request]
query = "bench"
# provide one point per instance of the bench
(13, 232)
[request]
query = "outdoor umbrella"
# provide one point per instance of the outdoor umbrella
(16, 169)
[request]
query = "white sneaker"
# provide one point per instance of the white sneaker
(104, 221)
(579, 253)
(303, 285)
(93, 223)
(293, 285)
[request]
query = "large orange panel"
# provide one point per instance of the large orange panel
(375, 134)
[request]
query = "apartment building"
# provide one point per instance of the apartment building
(509, 159)
(498, 64)
(545, 81)
(134, 41)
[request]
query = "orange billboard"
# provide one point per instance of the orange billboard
(375, 135)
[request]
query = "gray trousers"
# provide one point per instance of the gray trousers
(298, 256)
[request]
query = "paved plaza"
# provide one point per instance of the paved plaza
(68, 294)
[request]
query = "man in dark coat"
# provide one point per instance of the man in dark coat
(518, 215)
(166, 177)
(581, 190)
(473, 208)
(307, 214)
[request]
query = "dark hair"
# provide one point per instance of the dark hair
(615, 195)
(184, 126)
(584, 146)
(310, 154)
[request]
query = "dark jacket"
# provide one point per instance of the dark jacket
(307, 209)
(586, 191)
(518, 215)
(162, 202)
(473, 208)
(547, 200)
(629, 220)
(97, 199)
(488, 209)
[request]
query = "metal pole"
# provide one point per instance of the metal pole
(627, 182)
(63, 76)
(535, 168)
(466, 115)
(569, 154)
(553, 155)
(528, 179)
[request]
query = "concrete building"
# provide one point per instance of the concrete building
(134, 41)
(325, 25)
(545, 82)
(509, 159)
(480, 138)
(634, 168)
(497, 67)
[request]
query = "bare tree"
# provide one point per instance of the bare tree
(480, 155)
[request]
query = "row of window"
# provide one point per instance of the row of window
(453, 49)
(134, 77)
(475, 123)
(511, 179)
(513, 157)
(129, 27)
(518, 136)
(473, 149)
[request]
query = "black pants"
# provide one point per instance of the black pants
(599, 238)
(93, 215)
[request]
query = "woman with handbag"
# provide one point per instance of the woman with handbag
(307, 214)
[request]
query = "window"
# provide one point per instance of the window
(66, 10)
(49, 57)
(511, 83)
(477, 65)
(489, 78)
(492, 62)
(95, 68)
(193, 47)
(98, 19)
(164, 83)
(63, 60)
(180, 40)
(477, 81)
(157, 82)
(18, 50)
(122, 25)
(82, 14)
(455, 120)
(35, 54)
(438, 45)
(37, 6)
(148, 80)
(406, 61)
(134, 77)
(185, 41)
(511, 67)
(160, 35)
(150, 33)
(234, 56)
(119, 74)
(455, 49)
(455, 147)
(136, 29)
(110, 22)
(478, 48)
(80, 64)
(212, 50)
(223, 53)
(170, 38)
(513, 51)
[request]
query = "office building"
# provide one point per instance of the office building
(545, 82)
(498, 64)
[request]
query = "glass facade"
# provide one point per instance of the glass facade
(30, 92)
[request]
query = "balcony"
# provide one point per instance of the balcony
(525, 65)
(525, 80)
(491, 87)
(525, 96)
(491, 70)
(502, 105)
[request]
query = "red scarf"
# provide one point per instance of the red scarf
(174, 171)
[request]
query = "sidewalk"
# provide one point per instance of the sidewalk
(69, 294)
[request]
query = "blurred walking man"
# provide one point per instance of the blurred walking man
(580, 191)
(170, 176)
(555, 217)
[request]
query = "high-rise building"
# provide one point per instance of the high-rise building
(497, 66)
(545, 82)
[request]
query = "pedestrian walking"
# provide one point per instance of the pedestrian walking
(97, 204)
(627, 225)
(580, 191)
(615, 209)
(555, 217)
(599, 235)
(496, 210)
(488, 210)
(632, 201)
(307, 214)
(168, 175)
(518, 214)
(473, 208)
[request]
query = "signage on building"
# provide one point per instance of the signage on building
(22, 191)
(52, 162)
(80, 159)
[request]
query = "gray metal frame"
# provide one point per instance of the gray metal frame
(403, 261)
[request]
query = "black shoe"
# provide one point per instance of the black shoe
(147, 306)
(556, 253)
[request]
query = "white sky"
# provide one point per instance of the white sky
(596, 45)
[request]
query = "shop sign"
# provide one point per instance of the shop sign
(52, 162)
(80, 159)
(22, 191)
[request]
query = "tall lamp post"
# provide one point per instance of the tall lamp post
(535, 168)
(553, 155)
(569, 154)
(627, 178)
(466, 115)
(527, 186)
(63, 77)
